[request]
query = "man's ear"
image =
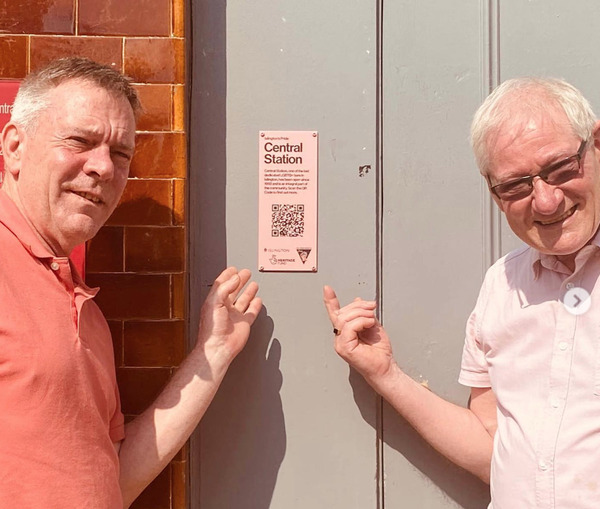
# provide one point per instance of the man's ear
(499, 202)
(12, 148)
(596, 135)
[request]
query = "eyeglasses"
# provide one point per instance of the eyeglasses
(555, 174)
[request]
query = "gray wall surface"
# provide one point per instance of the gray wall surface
(390, 84)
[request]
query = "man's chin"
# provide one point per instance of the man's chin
(565, 246)
(81, 231)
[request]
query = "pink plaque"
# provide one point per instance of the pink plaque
(287, 201)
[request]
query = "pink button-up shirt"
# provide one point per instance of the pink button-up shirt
(543, 364)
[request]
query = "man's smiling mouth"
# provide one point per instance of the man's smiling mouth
(88, 196)
(562, 217)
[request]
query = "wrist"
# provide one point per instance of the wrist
(386, 381)
(214, 353)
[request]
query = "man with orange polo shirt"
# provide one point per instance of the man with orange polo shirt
(532, 347)
(63, 441)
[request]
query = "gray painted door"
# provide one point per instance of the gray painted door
(433, 228)
(288, 428)
(440, 229)
(391, 86)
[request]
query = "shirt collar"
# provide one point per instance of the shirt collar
(550, 262)
(13, 219)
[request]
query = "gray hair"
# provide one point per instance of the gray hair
(534, 95)
(32, 96)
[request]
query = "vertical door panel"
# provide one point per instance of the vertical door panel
(432, 227)
(288, 428)
(439, 60)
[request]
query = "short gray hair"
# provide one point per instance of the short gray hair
(32, 96)
(534, 95)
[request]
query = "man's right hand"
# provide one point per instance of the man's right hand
(464, 436)
(361, 340)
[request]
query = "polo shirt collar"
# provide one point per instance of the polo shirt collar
(12, 218)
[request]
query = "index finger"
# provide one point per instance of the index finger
(244, 278)
(331, 303)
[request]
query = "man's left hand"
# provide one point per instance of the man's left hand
(227, 314)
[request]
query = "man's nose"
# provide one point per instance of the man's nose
(100, 162)
(546, 198)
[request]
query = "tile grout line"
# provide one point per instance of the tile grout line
(76, 18)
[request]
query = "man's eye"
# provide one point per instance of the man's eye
(514, 188)
(563, 171)
(122, 155)
(78, 140)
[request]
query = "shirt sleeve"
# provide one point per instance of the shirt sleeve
(474, 367)
(117, 423)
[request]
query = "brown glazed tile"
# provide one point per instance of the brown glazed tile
(104, 252)
(139, 387)
(179, 201)
(13, 56)
(178, 18)
(178, 293)
(154, 344)
(116, 330)
(157, 103)
(158, 493)
(179, 104)
(183, 453)
(159, 155)
(106, 50)
(37, 16)
(155, 60)
(124, 17)
(132, 296)
(178, 484)
(144, 202)
(156, 249)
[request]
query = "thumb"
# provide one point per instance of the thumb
(223, 290)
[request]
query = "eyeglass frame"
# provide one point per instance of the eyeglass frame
(542, 174)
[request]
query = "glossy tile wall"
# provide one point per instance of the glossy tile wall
(139, 258)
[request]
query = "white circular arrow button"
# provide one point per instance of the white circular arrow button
(577, 301)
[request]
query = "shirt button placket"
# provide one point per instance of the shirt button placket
(550, 427)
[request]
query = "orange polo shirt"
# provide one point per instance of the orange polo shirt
(59, 403)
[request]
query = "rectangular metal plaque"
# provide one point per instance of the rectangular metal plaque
(287, 202)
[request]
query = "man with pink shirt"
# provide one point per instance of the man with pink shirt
(63, 440)
(531, 358)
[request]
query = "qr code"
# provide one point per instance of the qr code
(287, 220)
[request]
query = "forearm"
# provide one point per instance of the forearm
(454, 431)
(153, 438)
